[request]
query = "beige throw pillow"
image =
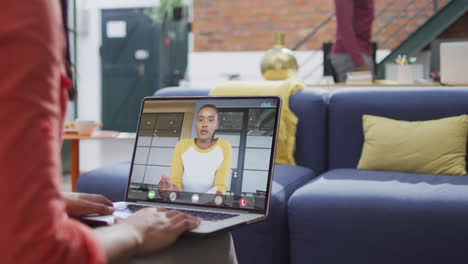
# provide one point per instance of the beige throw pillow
(426, 147)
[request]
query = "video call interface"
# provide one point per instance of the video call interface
(209, 151)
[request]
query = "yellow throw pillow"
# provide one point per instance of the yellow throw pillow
(426, 147)
(288, 121)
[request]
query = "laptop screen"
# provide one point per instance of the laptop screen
(209, 151)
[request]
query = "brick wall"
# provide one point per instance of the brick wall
(249, 25)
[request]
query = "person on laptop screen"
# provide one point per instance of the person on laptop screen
(200, 165)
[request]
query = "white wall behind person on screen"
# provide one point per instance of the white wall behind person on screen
(153, 174)
(254, 180)
(165, 141)
(161, 156)
(144, 141)
(141, 155)
(138, 173)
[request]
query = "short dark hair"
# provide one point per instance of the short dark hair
(209, 106)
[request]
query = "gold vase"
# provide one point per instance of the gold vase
(279, 62)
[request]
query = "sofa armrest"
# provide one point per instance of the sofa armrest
(109, 181)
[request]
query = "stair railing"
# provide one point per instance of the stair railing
(380, 13)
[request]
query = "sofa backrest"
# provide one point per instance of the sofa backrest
(346, 107)
(310, 106)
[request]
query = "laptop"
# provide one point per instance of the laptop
(226, 183)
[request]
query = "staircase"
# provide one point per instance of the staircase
(404, 27)
(426, 33)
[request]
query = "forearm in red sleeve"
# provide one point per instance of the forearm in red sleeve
(34, 226)
(345, 30)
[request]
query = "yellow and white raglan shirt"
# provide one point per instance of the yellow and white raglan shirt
(199, 170)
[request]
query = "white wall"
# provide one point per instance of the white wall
(207, 69)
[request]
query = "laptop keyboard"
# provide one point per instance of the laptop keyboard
(208, 216)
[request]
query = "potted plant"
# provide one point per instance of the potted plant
(171, 9)
(177, 9)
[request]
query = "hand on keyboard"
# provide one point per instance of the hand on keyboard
(209, 216)
(157, 228)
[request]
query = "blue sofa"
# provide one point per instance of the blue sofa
(268, 241)
(347, 215)
(324, 210)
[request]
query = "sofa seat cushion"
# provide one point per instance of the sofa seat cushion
(268, 241)
(355, 216)
(110, 181)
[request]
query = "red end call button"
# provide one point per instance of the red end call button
(243, 202)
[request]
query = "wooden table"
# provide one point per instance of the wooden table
(75, 150)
